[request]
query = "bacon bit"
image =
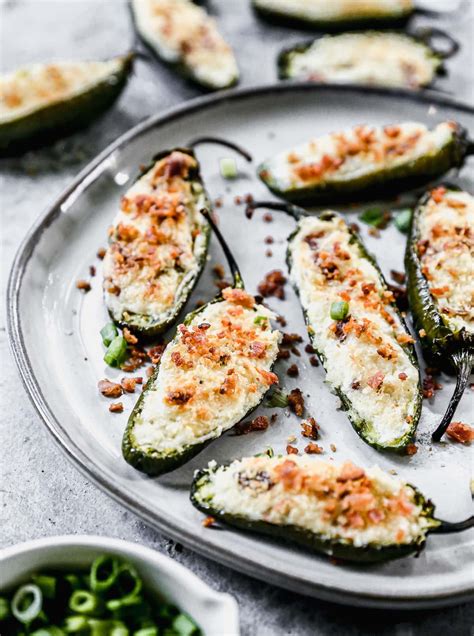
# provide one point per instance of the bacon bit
(257, 349)
(374, 231)
(422, 246)
(268, 217)
(398, 277)
(313, 449)
(291, 450)
(387, 352)
(150, 371)
(350, 472)
(409, 419)
(269, 377)
(376, 516)
(129, 337)
(402, 376)
(367, 288)
(430, 385)
(309, 349)
(289, 339)
(221, 284)
(296, 402)
(260, 423)
(116, 407)
(333, 447)
(268, 253)
(92, 270)
(281, 321)
(422, 333)
(129, 384)
(109, 389)
(114, 290)
(355, 386)
(248, 198)
(272, 285)
(439, 291)
(208, 522)
(101, 253)
(292, 371)
(438, 193)
(404, 338)
(314, 361)
(218, 202)
(137, 358)
(460, 432)
(179, 397)
(399, 536)
(238, 297)
(283, 354)
(219, 271)
(238, 200)
(269, 240)
(83, 285)
(411, 449)
(392, 131)
(310, 428)
(376, 381)
(156, 352)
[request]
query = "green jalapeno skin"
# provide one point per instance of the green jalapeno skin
(50, 122)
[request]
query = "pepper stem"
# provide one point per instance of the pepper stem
(463, 361)
(448, 527)
(292, 210)
(221, 142)
(238, 282)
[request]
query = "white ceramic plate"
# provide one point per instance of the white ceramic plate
(55, 336)
(215, 613)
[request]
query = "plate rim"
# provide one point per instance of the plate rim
(60, 435)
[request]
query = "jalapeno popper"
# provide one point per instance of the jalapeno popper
(341, 510)
(158, 244)
(184, 36)
(42, 102)
(216, 370)
(440, 267)
(335, 14)
(365, 161)
(355, 328)
(370, 57)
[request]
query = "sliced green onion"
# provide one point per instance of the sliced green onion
(84, 602)
(339, 310)
(107, 628)
(108, 333)
(116, 351)
(128, 581)
(4, 608)
(129, 607)
(184, 626)
(277, 399)
(47, 584)
(75, 624)
(51, 630)
(228, 168)
(27, 603)
(146, 631)
(260, 320)
(373, 216)
(403, 220)
(103, 573)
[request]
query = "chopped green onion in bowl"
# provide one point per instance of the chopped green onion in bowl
(228, 168)
(339, 310)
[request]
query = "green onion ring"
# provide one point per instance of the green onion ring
(31, 611)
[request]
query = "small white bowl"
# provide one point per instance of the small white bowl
(215, 613)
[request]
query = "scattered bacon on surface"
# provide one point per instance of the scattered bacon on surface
(273, 285)
(283, 354)
(156, 352)
(404, 338)
(314, 361)
(296, 402)
(313, 449)
(310, 428)
(402, 376)
(430, 385)
(83, 285)
(411, 449)
(92, 270)
(292, 371)
(289, 339)
(350, 472)
(309, 349)
(376, 381)
(129, 384)
(150, 371)
(269, 240)
(129, 336)
(219, 271)
(208, 522)
(260, 423)
(398, 277)
(239, 297)
(116, 407)
(460, 432)
(281, 321)
(101, 253)
(268, 253)
(137, 357)
(291, 450)
(110, 389)
(268, 217)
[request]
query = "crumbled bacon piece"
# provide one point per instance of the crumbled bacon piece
(355, 386)
(257, 349)
(179, 396)
(398, 277)
(289, 339)
(430, 385)
(150, 371)
(116, 407)
(281, 321)
(438, 193)
(268, 253)
(283, 354)
(404, 338)
(273, 285)
(309, 349)
(411, 449)
(208, 521)
(101, 253)
(129, 337)
(260, 423)
(291, 450)
(292, 371)
(239, 297)
(376, 381)
(83, 285)
(268, 217)
(460, 432)
(92, 270)
(310, 428)
(422, 246)
(402, 376)
(219, 271)
(313, 449)
(156, 352)
(350, 472)
(268, 377)
(296, 402)
(314, 361)
(110, 389)
(128, 384)
(269, 240)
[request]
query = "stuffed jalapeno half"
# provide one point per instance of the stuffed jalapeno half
(340, 510)
(215, 370)
(335, 14)
(440, 267)
(355, 328)
(157, 244)
(183, 35)
(380, 58)
(365, 161)
(42, 102)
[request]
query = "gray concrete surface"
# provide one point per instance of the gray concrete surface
(41, 493)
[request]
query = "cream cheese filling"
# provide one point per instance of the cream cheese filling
(337, 9)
